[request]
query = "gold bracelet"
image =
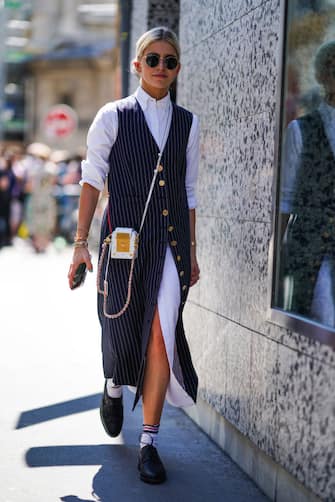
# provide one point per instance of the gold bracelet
(79, 237)
(80, 243)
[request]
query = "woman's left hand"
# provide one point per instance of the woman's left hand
(195, 270)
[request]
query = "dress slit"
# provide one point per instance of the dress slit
(168, 306)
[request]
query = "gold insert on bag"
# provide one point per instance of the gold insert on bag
(124, 243)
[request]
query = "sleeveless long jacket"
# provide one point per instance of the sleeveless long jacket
(132, 161)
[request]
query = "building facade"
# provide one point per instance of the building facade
(69, 56)
(265, 387)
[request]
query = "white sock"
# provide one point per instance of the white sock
(112, 389)
(148, 439)
(149, 435)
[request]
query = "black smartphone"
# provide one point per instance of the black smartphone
(79, 276)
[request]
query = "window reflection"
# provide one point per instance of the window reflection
(305, 283)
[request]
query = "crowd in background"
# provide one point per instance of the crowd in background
(39, 191)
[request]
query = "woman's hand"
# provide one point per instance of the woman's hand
(80, 255)
(195, 270)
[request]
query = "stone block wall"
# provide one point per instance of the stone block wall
(273, 385)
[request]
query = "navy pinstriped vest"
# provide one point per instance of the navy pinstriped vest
(132, 160)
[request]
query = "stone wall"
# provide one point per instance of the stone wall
(273, 385)
(164, 13)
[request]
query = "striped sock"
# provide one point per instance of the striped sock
(149, 435)
(113, 390)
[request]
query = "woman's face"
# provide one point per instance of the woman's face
(156, 80)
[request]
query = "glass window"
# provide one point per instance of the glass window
(304, 283)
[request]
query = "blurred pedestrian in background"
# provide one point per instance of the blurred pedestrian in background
(67, 191)
(39, 193)
(41, 210)
(18, 189)
(7, 181)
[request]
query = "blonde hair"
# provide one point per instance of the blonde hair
(154, 35)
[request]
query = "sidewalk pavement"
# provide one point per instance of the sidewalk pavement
(53, 447)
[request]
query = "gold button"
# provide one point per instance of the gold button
(178, 258)
(161, 183)
(165, 212)
(184, 287)
(160, 168)
(173, 243)
(181, 273)
(171, 228)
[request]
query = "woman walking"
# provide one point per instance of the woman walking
(129, 139)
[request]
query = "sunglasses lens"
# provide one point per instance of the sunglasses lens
(152, 60)
(171, 62)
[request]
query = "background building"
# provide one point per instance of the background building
(69, 54)
(266, 391)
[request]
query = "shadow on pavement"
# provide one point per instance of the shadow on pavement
(74, 498)
(51, 456)
(58, 410)
(117, 479)
(197, 469)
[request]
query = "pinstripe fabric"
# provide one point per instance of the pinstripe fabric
(132, 160)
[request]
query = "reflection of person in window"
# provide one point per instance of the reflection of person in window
(308, 193)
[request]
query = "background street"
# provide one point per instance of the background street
(53, 446)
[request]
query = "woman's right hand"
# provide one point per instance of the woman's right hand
(80, 255)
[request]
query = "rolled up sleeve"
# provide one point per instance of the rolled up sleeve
(100, 139)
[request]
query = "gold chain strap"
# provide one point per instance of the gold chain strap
(105, 244)
(104, 292)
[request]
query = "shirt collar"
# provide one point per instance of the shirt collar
(146, 100)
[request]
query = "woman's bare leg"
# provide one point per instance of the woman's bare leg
(157, 374)
(156, 379)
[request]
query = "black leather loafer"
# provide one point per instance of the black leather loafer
(111, 413)
(150, 466)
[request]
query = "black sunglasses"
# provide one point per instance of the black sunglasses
(153, 59)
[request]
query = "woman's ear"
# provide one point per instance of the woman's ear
(137, 66)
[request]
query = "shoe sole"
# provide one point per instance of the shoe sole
(151, 481)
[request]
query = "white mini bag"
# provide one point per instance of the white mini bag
(124, 243)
